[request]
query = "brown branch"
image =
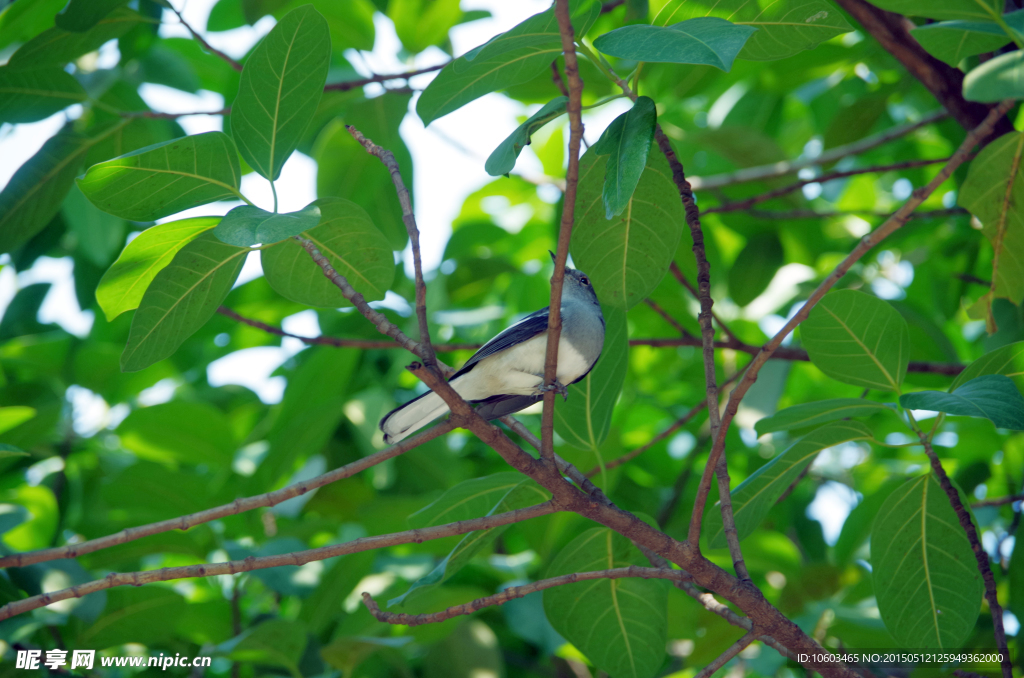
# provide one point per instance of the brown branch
(610, 5)
(746, 203)
(792, 486)
(297, 558)
(811, 214)
(240, 505)
(513, 592)
(556, 77)
(409, 219)
(998, 501)
(866, 244)
(779, 169)
(724, 658)
(170, 116)
(656, 307)
(207, 46)
(678, 273)
(979, 553)
(574, 107)
(352, 84)
(944, 82)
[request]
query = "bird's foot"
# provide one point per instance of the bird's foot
(557, 387)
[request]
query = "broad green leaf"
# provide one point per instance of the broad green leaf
(346, 170)
(926, 579)
(326, 603)
(247, 225)
(34, 194)
(38, 532)
(821, 412)
(15, 415)
(754, 267)
(22, 21)
(350, 21)
(275, 642)
(583, 420)
(502, 159)
(954, 41)
(511, 58)
(98, 235)
(755, 496)
(160, 180)
(181, 298)
(124, 283)
(485, 496)
(1008, 361)
(785, 27)
(27, 95)
(280, 88)
(156, 433)
(619, 624)
(81, 15)
(999, 78)
(708, 41)
(135, 615)
(967, 10)
(858, 339)
(994, 193)
(993, 396)
(627, 257)
(627, 143)
(56, 47)
(423, 23)
(353, 245)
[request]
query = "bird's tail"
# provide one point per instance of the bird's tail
(406, 419)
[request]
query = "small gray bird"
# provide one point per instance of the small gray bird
(507, 373)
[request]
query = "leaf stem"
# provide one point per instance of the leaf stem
(273, 189)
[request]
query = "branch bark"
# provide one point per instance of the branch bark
(352, 84)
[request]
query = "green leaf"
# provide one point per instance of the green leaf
(326, 603)
(619, 624)
(1008, 361)
(754, 267)
(134, 615)
(56, 47)
(502, 159)
(708, 41)
(350, 22)
(156, 433)
(998, 78)
(28, 95)
(954, 41)
(812, 414)
(181, 298)
(785, 27)
(8, 451)
(583, 420)
(160, 180)
(246, 225)
(967, 10)
(510, 58)
(353, 245)
(225, 15)
(34, 194)
(124, 283)
(627, 258)
(926, 579)
(21, 21)
(98, 235)
(994, 193)
(81, 15)
(627, 143)
(280, 88)
(423, 23)
(755, 496)
(485, 496)
(16, 415)
(858, 339)
(40, 503)
(993, 396)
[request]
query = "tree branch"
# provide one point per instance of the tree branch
(352, 84)
(998, 501)
(297, 558)
(207, 46)
(811, 214)
(236, 507)
(674, 268)
(724, 658)
(513, 592)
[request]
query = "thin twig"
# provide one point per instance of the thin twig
(171, 116)
(779, 169)
(238, 506)
(352, 84)
(678, 273)
(973, 279)
(679, 486)
(998, 501)
(513, 592)
(724, 658)
(812, 214)
(866, 244)
(207, 46)
(668, 318)
(556, 77)
(574, 107)
(409, 219)
(296, 558)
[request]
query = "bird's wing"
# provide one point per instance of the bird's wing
(524, 330)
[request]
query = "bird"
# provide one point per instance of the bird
(507, 373)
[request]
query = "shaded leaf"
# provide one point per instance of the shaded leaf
(993, 396)
(247, 225)
(15, 416)
(709, 41)
(999, 78)
(823, 411)
(502, 159)
(134, 615)
(619, 624)
(1008, 361)
(160, 180)
(124, 283)
(181, 298)
(280, 88)
(82, 15)
(954, 41)
(156, 433)
(926, 578)
(276, 642)
(858, 339)
(754, 267)
(99, 236)
(755, 496)
(967, 10)
(350, 22)
(56, 47)
(422, 23)
(27, 95)
(627, 143)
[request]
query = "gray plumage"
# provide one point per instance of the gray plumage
(507, 373)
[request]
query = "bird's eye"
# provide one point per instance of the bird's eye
(585, 280)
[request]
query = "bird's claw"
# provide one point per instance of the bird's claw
(557, 387)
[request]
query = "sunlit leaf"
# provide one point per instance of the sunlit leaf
(993, 396)
(710, 41)
(247, 225)
(821, 412)
(999, 78)
(954, 41)
(156, 433)
(968, 10)
(56, 47)
(502, 159)
(627, 143)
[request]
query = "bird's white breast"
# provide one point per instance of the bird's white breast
(520, 370)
